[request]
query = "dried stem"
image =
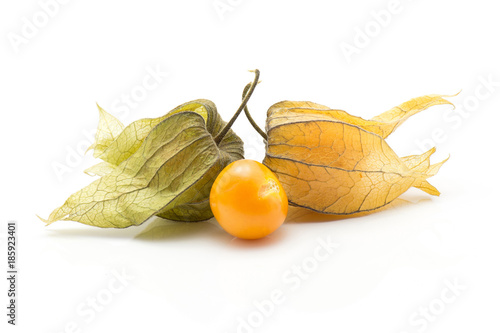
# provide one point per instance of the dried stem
(224, 131)
(249, 117)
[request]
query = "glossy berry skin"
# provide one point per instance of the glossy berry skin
(247, 200)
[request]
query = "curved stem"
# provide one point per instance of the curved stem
(226, 129)
(249, 117)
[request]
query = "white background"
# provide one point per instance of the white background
(388, 268)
